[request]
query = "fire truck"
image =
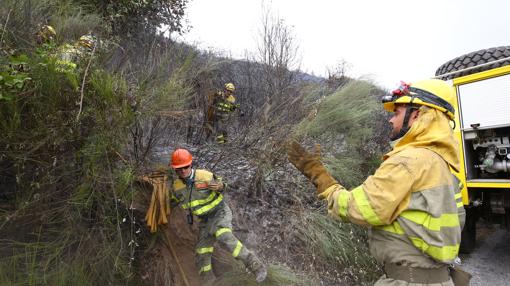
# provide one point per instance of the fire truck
(482, 84)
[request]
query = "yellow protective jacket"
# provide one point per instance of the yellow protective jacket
(224, 104)
(196, 195)
(67, 58)
(411, 204)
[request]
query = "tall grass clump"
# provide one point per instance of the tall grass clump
(350, 124)
(276, 275)
(347, 108)
(339, 248)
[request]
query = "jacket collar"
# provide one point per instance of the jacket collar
(431, 130)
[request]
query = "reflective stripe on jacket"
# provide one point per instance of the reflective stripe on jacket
(199, 198)
(411, 202)
(224, 104)
(67, 57)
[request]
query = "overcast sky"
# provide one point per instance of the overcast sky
(386, 41)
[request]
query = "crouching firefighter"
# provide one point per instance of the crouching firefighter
(412, 203)
(199, 192)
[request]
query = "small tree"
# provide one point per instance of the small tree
(131, 17)
(278, 52)
(337, 75)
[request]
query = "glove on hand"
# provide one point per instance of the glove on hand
(310, 165)
(216, 186)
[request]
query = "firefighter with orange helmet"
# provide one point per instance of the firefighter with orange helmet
(199, 192)
(412, 203)
(220, 107)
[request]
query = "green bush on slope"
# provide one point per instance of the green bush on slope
(276, 275)
(350, 125)
(67, 194)
(339, 248)
(66, 214)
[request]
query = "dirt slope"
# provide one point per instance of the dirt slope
(181, 238)
(173, 254)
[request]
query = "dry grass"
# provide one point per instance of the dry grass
(276, 275)
(336, 248)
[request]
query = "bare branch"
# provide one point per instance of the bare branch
(83, 82)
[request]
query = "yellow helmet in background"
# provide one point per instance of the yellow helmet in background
(230, 87)
(47, 33)
(86, 41)
(433, 93)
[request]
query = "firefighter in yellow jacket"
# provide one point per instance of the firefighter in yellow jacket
(69, 55)
(200, 193)
(46, 34)
(412, 203)
(220, 107)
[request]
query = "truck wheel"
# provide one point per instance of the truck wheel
(468, 236)
(474, 59)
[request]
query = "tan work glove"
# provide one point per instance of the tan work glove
(310, 165)
(216, 186)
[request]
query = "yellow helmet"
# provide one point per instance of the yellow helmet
(47, 33)
(86, 41)
(230, 87)
(433, 93)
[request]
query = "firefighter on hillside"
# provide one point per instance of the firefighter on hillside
(412, 203)
(46, 35)
(200, 192)
(220, 106)
(69, 55)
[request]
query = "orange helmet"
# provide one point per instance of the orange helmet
(181, 158)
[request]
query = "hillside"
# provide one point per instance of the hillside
(81, 126)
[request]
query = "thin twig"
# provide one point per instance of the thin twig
(120, 156)
(83, 81)
(171, 247)
(5, 26)
(112, 182)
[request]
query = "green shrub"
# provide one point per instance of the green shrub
(276, 275)
(63, 132)
(350, 125)
(339, 248)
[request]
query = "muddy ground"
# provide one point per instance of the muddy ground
(489, 263)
